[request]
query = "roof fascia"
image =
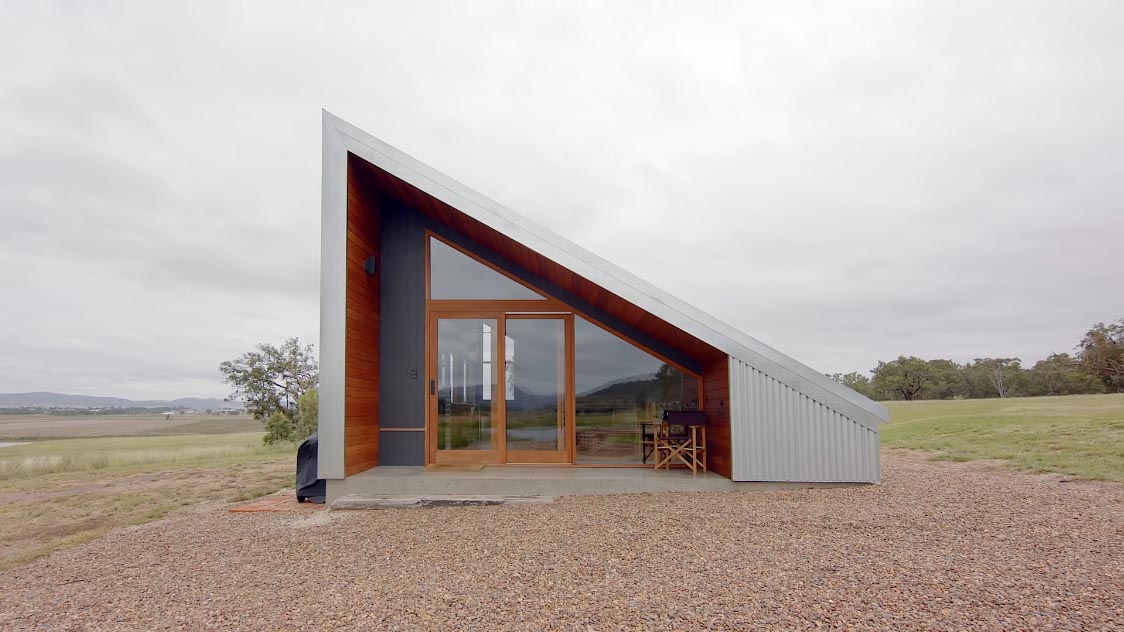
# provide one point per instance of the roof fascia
(333, 300)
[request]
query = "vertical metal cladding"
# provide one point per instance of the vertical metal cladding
(781, 434)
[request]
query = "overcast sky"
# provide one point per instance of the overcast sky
(846, 182)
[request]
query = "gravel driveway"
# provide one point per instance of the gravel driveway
(937, 546)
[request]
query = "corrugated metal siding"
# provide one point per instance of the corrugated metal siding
(780, 434)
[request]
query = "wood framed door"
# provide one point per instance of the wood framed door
(464, 406)
(538, 388)
(501, 388)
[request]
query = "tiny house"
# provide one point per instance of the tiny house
(454, 331)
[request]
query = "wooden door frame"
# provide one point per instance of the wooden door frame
(462, 457)
(566, 455)
(499, 454)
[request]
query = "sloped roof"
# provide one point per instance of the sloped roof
(341, 135)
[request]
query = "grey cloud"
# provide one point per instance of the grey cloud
(845, 183)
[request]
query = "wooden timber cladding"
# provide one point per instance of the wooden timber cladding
(716, 398)
(361, 364)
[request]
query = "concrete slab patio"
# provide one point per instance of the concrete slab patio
(540, 481)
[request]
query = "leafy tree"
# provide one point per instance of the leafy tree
(271, 381)
(1060, 374)
(974, 381)
(904, 378)
(1101, 353)
(279, 428)
(1098, 367)
(308, 415)
(1002, 374)
(947, 381)
(304, 422)
(856, 382)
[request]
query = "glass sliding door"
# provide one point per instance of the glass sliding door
(536, 389)
(501, 388)
(463, 391)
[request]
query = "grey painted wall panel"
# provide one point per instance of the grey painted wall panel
(401, 448)
(402, 323)
(781, 434)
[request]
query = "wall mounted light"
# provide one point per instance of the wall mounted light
(371, 265)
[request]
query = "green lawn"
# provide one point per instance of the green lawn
(1079, 435)
(56, 493)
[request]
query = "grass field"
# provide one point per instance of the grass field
(1078, 435)
(23, 427)
(59, 492)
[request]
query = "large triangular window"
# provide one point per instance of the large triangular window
(454, 275)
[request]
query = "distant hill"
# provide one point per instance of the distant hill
(60, 400)
(643, 377)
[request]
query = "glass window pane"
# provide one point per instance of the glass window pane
(455, 275)
(620, 386)
(536, 383)
(466, 381)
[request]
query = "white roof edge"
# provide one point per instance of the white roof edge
(630, 287)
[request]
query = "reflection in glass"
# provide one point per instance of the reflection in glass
(455, 275)
(535, 383)
(466, 379)
(619, 386)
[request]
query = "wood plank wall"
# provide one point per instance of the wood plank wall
(361, 366)
(716, 395)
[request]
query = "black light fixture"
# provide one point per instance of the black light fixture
(371, 265)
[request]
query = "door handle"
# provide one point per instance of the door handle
(432, 388)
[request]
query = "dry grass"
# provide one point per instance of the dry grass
(59, 493)
(24, 427)
(59, 460)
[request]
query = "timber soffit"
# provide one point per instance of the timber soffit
(584, 263)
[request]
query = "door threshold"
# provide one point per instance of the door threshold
(468, 467)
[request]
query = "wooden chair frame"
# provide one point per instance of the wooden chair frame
(689, 449)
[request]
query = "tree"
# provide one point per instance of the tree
(271, 382)
(975, 383)
(1061, 374)
(1101, 353)
(279, 428)
(903, 378)
(304, 422)
(1002, 373)
(947, 381)
(307, 420)
(856, 382)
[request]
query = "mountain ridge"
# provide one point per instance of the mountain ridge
(63, 400)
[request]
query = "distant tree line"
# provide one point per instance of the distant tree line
(1096, 366)
(85, 412)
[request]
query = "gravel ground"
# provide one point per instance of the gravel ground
(938, 546)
